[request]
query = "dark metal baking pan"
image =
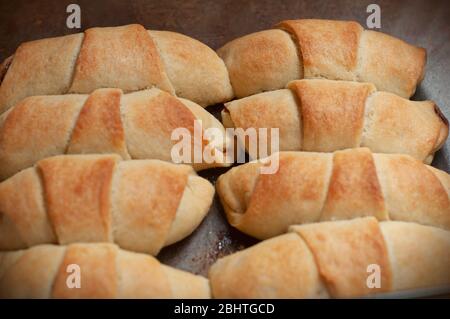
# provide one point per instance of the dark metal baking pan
(424, 23)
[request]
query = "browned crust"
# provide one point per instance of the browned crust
(77, 191)
(343, 251)
(98, 272)
(150, 121)
(280, 267)
(138, 67)
(99, 127)
(127, 57)
(142, 276)
(172, 114)
(106, 272)
(274, 109)
(29, 273)
(412, 192)
(195, 71)
(328, 48)
(144, 211)
(390, 63)
(37, 127)
(23, 216)
(40, 67)
(354, 189)
(137, 125)
(396, 125)
(332, 113)
(307, 188)
(293, 195)
(419, 255)
(261, 61)
(336, 115)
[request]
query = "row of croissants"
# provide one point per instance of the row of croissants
(87, 179)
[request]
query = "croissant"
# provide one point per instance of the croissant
(127, 57)
(136, 125)
(105, 272)
(312, 187)
(335, 259)
(325, 116)
(140, 205)
(336, 50)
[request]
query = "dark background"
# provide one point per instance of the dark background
(422, 23)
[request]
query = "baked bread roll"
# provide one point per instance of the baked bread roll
(126, 57)
(333, 259)
(140, 205)
(105, 272)
(325, 116)
(336, 50)
(313, 187)
(138, 125)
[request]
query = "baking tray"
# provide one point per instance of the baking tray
(423, 23)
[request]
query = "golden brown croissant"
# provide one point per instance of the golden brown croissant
(325, 116)
(310, 48)
(137, 125)
(105, 271)
(126, 57)
(337, 259)
(312, 187)
(140, 205)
